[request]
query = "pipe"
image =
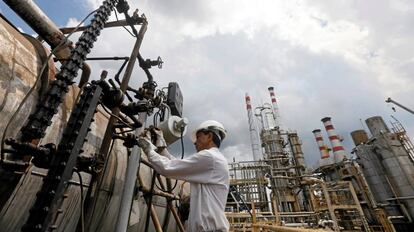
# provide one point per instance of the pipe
(106, 141)
(119, 23)
(389, 100)
(400, 198)
(39, 22)
(47, 29)
(282, 228)
(130, 180)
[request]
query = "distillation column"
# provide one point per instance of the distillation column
(398, 167)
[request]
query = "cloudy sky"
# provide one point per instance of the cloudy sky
(325, 58)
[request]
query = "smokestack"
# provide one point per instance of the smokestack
(275, 107)
(337, 148)
(254, 136)
(248, 102)
(322, 147)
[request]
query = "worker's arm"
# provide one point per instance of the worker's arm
(164, 152)
(195, 168)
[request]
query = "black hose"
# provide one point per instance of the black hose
(149, 203)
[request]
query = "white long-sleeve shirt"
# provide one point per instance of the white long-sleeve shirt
(208, 175)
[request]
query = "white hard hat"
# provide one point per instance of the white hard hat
(210, 125)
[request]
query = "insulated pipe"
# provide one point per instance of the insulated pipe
(337, 148)
(45, 28)
(274, 105)
(130, 181)
(38, 21)
(323, 149)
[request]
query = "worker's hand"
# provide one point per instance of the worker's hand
(146, 145)
(160, 141)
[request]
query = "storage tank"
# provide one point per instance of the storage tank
(359, 137)
(396, 162)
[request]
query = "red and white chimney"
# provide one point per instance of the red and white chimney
(254, 136)
(322, 147)
(274, 105)
(248, 102)
(337, 148)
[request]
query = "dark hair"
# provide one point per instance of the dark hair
(216, 137)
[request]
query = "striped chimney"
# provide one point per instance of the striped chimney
(274, 105)
(248, 102)
(337, 148)
(322, 147)
(254, 136)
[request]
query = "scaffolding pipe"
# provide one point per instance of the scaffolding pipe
(282, 228)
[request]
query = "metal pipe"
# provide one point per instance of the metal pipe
(159, 193)
(282, 228)
(130, 180)
(119, 23)
(400, 198)
(47, 29)
(155, 219)
(389, 100)
(134, 159)
(38, 21)
(106, 141)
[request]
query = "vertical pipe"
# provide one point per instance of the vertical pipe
(101, 195)
(337, 148)
(130, 180)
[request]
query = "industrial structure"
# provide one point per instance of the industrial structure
(274, 190)
(69, 159)
(388, 166)
(370, 192)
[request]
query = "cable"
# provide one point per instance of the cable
(149, 203)
(116, 16)
(62, 42)
(82, 201)
(115, 116)
(182, 156)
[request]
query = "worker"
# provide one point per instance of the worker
(206, 171)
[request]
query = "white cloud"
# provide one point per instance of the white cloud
(325, 58)
(73, 22)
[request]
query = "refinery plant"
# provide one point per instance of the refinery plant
(370, 188)
(72, 148)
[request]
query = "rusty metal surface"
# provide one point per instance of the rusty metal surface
(19, 67)
(34, 16)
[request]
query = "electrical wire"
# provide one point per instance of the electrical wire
(116, 16)
(149, 203)
(62, 42)
(176, 181)
(116, 116)
(82, 201)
